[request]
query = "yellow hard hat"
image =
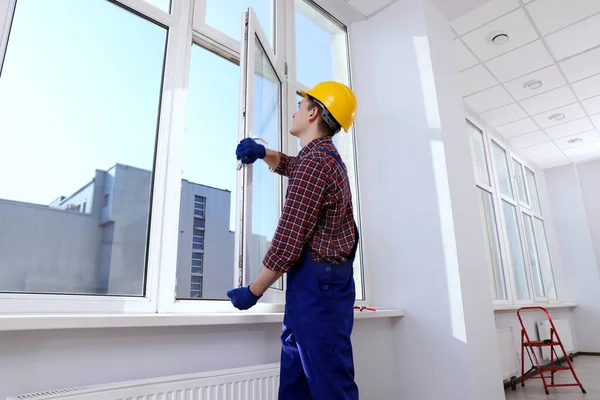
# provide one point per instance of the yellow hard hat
(338, 99)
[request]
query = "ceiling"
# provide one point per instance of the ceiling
(552, 42)
(368, 8)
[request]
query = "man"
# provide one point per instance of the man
(315, 244)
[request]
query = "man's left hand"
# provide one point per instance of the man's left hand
(242, 298)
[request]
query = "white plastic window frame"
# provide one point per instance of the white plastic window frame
(506, 244)
(254, 33)
(186, 26)
(520, 207)
(20, 303)
(504, 256)
(529, 209)
(299, 86)
(198, 33)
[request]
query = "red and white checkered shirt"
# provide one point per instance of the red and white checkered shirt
(318, 210)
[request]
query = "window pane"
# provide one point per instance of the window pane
(196, 286)
(492, 246)
(344, 142)
(516, 251)
(520, 181)
(534, 261)
(164, 5)
(545, 262)
(478, 152)
(501, 163)
(266, 198)
(533, 191)
(209, 172)
(321, 46)
(226, 16)
(345, 145)
(78, 122)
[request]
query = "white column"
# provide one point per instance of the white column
(423, 240)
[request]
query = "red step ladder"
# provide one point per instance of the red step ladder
(529, 345)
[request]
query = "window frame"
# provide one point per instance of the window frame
(514, 202)
(520, 208)
(18, 303)
(186, 27)
(248, 61)
(298, 86)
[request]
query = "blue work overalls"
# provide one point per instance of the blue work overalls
(316, 355)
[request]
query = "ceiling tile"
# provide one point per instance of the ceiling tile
(482, 15)
(549, 101)
(585, 158)
(551, 159)
(550, 77)
(464, 58)
(569, 129)
(540, 149)
(592, 106)
(476, 79)
(515, 24)
(529, 139)
(489, 99)
(369, 7)
(552, 15)
(587, 137)
(591, 148)
(520, 62)
(596, 120)
(577, 38)
(588, 87)
(582, 66)
(504, 115)
(517, 128)
(572, 112)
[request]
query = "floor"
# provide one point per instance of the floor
(587, 369)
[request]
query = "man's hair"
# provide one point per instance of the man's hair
(329, 128)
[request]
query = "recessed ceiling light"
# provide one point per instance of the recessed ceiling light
(533, 85)
(575, 140)
(497, 38)
(557, 117)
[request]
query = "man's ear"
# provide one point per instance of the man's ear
(313, 114)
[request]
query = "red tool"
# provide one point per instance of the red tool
(529, 345)
(361, 308)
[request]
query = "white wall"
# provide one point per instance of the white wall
(425, 256)
(42, 360)
(576, 246)
(589, 174)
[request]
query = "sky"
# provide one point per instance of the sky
(76, 96)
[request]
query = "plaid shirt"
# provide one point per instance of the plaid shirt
(318, 209)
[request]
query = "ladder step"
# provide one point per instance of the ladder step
(540, 343)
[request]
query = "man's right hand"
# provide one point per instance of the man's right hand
(248, 151)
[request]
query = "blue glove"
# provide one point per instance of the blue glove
(248, 151)
(242, 298)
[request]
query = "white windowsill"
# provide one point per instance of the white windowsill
(89, 321)
(506, 308)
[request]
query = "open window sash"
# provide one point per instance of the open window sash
(260, 194)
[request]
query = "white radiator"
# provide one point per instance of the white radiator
(253, 383)
(508, 353)
(563, 327)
